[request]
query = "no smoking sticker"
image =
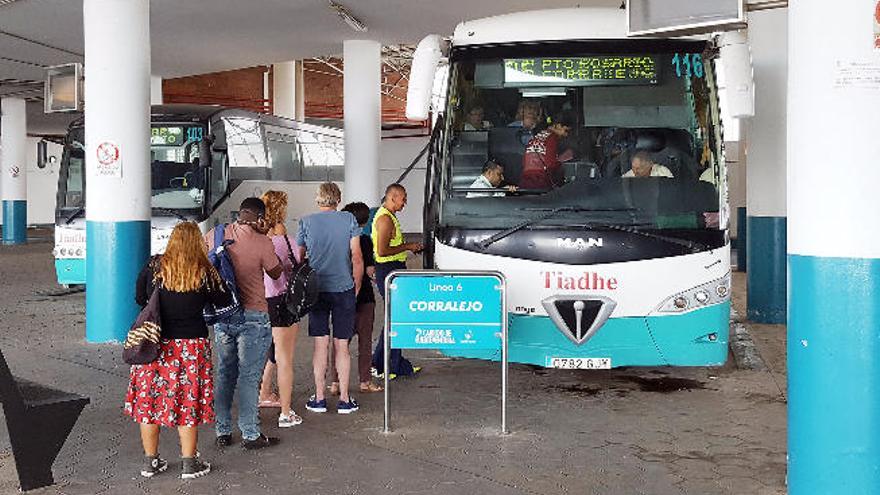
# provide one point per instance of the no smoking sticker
(877, 26)
(109, 160)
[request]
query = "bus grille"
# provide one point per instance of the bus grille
(579, 317)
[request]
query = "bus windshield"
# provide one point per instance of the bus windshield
(177, 181)
(605, 138)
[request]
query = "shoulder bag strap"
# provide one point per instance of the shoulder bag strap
(219, 235)
(290, 251)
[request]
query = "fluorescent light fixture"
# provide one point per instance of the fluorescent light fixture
(542, 92)
(346, 16)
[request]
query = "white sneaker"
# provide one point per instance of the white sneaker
(288, 421)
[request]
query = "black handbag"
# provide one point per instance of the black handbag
(141, 345)
(301, 293)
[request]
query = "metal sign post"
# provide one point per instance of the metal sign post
(434, 309)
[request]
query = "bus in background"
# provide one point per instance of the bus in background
(204, 161)
(621, 257)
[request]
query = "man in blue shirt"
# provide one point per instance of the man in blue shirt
(332, 240)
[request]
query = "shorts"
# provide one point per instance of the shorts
(279, 316)
(338, 306)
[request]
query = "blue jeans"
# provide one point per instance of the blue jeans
(399, 365)
(241, 346)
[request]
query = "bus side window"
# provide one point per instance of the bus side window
(219, 176)
(284, 159)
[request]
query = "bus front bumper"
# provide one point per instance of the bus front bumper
(696, 338)
(71, 271)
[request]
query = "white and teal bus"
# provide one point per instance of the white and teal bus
(603, 269)
(204, 161)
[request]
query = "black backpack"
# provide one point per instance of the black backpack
(301, 293)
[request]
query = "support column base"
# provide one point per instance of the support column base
(833, 383)
(766, 270)
(115, 254)
(14, 221)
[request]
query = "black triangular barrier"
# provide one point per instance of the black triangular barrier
(39, 419)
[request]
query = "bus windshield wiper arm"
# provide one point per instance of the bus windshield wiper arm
(79, 211)
(485, 243)
(695, 247)
(172, 212)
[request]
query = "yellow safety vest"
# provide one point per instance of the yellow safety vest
(396, 238)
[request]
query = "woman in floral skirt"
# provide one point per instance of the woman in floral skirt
(176, 390)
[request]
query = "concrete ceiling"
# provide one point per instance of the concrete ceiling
(200, 36)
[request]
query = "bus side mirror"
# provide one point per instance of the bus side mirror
(426, 59)
(205, 153)
(738, 73)
(43, 158)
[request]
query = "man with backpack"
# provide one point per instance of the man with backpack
(332, 240)
(242, 339)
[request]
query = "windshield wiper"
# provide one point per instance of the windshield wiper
(694, 246)
(172, 212)
(79, 211)
(485, 243)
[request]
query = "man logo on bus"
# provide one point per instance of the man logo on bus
(578, 243)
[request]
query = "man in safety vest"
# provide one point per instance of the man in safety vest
(389, 252)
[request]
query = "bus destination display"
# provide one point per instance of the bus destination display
(595, 70)
(175, 135)
(166, 136)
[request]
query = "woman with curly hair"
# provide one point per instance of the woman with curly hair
(176, 390)
(284, 325)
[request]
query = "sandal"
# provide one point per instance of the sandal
(334, 388)
(369, 387)
(270, 403)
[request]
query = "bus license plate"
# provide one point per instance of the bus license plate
(581, 363)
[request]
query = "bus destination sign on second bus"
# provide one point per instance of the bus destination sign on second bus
(596, 70)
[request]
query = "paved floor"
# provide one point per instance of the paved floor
(627, 431)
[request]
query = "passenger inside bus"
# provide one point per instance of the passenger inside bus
(644, 166)
(542, 161)
(491, 179)
(474, 120)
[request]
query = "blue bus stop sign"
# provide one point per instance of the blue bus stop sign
(435, 310)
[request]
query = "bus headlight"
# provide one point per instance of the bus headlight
(714, 292)
(701, 296)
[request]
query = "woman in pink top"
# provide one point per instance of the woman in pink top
(284, 325)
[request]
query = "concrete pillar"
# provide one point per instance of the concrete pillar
(13, 184)
(765, 174)
(284, 89)
(300, 91)
(117, 122)
(362, 104)
(833, 249)
(156, 97)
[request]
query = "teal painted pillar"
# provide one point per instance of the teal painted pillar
(117, 130)
(833, 250)
(765, 173)
(13, 161)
